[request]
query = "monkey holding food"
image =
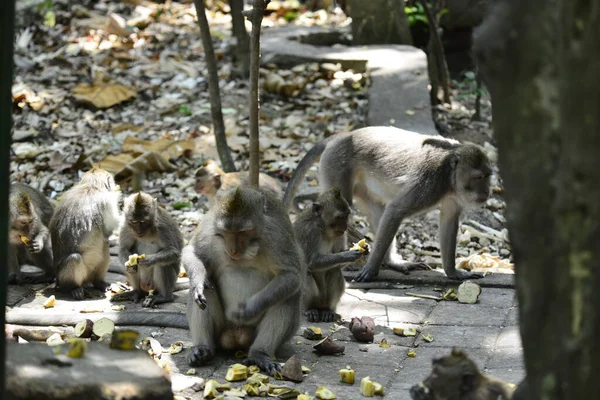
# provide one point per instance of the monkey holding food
(316, 230)
(30, 213)
(246, 253)
(84, 219)
(394, 174)
(149, 230)
(456, 377)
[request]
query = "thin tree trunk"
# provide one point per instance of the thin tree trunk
(7, 18)
(546, 122)
(255, 16)
(242, 47)
(479, 89)
(213, 87)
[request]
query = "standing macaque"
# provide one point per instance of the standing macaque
(29, 239)
(394, 174)
(149, 230)
(210, 178)
(456, 377)
(246, 253)
(317, 230)
(86, 216)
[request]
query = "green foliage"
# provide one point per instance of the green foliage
(45, 8)
(416, 14)
(290, 16)
(180, 205)
(185, 110)
(469, 85)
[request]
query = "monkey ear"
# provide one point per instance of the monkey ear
(316, 208)
(25, 205)
(216, 180)
(468, 383)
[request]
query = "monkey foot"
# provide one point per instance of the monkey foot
(264, 362)
(78, 293)
(321, 315)
(101, 285)
(406, 266)
(461, 274)
(200, 355)
(132, 295)
(313, 315)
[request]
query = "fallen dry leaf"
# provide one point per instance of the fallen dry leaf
(102, 95)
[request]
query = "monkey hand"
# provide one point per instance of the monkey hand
(147, 261)
(461, 274)
(36, 245)
(357, 254)
(199, 297)
(244, 312)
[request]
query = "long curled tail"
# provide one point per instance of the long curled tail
(303, 166)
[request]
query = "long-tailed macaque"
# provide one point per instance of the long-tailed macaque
(29, 239)
(316, 230)
(210, 178)
(246, 253)
(148, 229)
(394, 174)
(86, 216)
(456, 377)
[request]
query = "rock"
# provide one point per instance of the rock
(102, 374)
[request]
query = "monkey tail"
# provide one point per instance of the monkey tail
(303, 166)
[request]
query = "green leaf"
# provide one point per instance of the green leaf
(470, 75)
(290, 16)
(422, 18)
(185, 110)
(444, 11)
(50, 19)
(183, 204)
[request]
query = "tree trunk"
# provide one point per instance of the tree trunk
(379, 22)
(242, 47)
(540, 61)
(438, 73)
(213, 87)
(7, 18)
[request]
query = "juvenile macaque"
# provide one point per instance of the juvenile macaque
(210, 178)
(317, 230)
(86, 216)
(29, 238)
(149, 230)
(394, 174)
(246, 254)
(456, 377)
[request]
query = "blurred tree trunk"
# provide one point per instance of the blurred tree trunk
(540, 60)
(242, 46)
(213, 87)
(7, 18)
(379, 22)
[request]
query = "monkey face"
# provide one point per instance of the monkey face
(20, 226)
(204, 186)
(141, 227)
(472, 177)
(240, 245)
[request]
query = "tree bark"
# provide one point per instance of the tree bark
(540, 61)
(242, 47)
(213, 87)
(379, 22)
(7, 19)
(255, 16)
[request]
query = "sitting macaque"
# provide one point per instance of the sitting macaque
(210, 178)
(149, 230)
(317, 230)
(30, 213)
(247, 257)
(456, 377)
(85, 218)
(394, 174)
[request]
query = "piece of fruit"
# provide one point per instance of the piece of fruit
(54, 340)
(253, 369)
(191, 371)
(347, 375)
(50, 302)
(25, 240)
(313, 333)
(292, 369)
(468, 292)
(117, 308)
(211, 389)
(363, 329)
(361, 246)
(103, 326)
(384, 343)
(237, 372)
(427, 337)
(258, 378)
(132, 263)
(77, 348)
(84, 329)
(306, 370)
(324, 394)
(367, 388)
(124, 339)
(176, 348)
(405, 331)
(305, 396)
(378, 389)
(411, 353)
(329, 347)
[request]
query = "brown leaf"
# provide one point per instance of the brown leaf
(169, 149)
(102, 95)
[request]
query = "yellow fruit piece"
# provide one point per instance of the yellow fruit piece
(325, 394)
(124, 339)
(305, 396)
(367, 388)
(25, 240)
(51, 302)
(405, 331)
(258, 379)
(211, 389)
(361, 245)
(253, 369)
(347, 375)
(384, 343)
(191, 371)
(411, 353)
(176, 348)
(306, 370)
(427, 337)
(237, 372)
(378, 388)
(77, 348)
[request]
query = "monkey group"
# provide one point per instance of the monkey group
(253, 273)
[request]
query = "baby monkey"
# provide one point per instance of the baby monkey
(317, 230)
(29, 238)
(210, 178)
(86, 216)
(456, 377)
(149, 229)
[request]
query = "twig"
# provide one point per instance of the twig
(424, 296)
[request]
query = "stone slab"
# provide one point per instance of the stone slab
(103, 374)
(455, 313)
(435, 278)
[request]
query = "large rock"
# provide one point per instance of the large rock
(33, 372)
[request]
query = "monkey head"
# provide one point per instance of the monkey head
(208, 178)
(452, 377)
(99, 179)
(140, 211)
(471, 175)
(333, 211)
(22, 216)
(240, 218)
